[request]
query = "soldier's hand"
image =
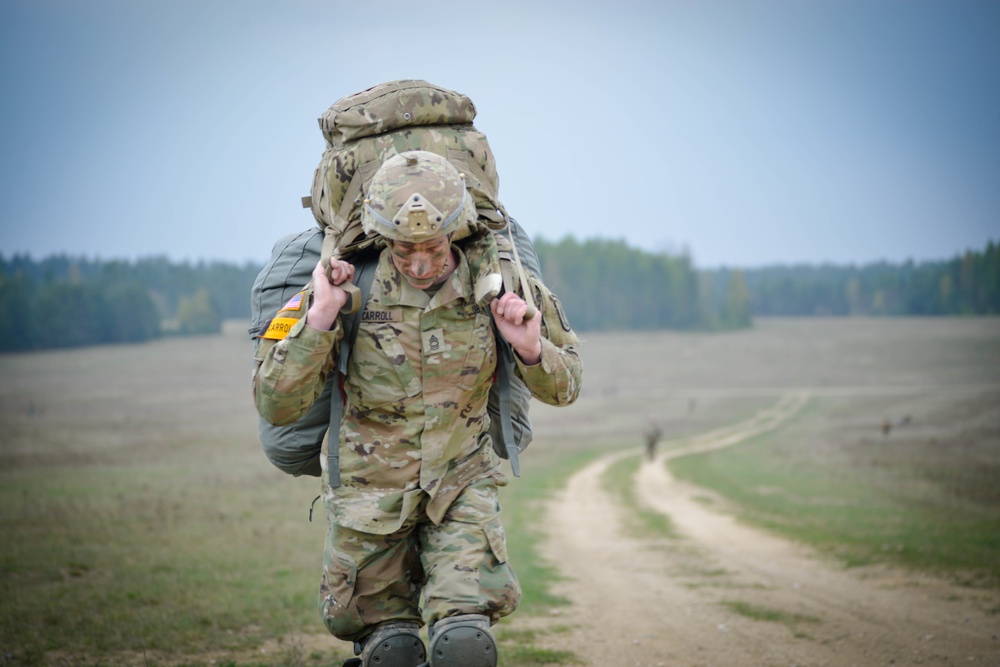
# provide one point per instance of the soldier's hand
(524, 335)
(328, 297)
(340, 271)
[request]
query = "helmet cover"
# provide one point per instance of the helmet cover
(416, 196)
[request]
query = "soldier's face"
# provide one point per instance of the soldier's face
(423, 264)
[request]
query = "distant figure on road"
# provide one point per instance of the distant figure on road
(652, 434)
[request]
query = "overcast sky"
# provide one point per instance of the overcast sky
(747, 132)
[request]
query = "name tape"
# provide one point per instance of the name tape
(280, 326)
(382, 316)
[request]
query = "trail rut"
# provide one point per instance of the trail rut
(696, 600)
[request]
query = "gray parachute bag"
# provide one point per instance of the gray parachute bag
(296, 448)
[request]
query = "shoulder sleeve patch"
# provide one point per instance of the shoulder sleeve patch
(563, 320)
(295, 303)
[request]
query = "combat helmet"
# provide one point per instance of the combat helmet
(416, 196)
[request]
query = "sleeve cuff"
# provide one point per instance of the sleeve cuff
(548, 361)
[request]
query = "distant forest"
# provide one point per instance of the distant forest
(73, 301)
(968, 284)
(66, 301)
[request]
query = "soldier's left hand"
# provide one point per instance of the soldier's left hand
(524, 335)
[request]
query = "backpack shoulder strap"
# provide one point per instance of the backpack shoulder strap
(364, 277)
(512, 237)
(505, 369)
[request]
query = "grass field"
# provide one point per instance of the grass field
(926, 494)
(142, 525)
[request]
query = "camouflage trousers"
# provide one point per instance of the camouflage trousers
(422, 572)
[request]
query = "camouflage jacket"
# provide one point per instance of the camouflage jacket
(416, 385)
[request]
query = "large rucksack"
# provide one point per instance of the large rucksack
(361, 131)
(365, 129)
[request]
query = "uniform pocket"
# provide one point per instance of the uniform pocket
(379, 371)
(497, 538)
(340, 574)
(475, 368)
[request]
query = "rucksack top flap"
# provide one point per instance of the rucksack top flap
(343, 174)
(393, 105)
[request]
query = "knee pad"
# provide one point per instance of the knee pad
(393, 644)
(463, 641)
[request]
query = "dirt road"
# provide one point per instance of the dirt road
(727, 595)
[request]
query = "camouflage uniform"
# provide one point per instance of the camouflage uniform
(417, 511)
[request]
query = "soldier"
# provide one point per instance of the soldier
(417, 512)
(652, 434)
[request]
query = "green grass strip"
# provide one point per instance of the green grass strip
(756, 613)
(619, 481)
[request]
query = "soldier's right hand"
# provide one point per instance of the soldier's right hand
(328, 297)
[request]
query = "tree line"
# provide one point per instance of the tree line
(967, 284)
(64, 301)
(607, 285)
